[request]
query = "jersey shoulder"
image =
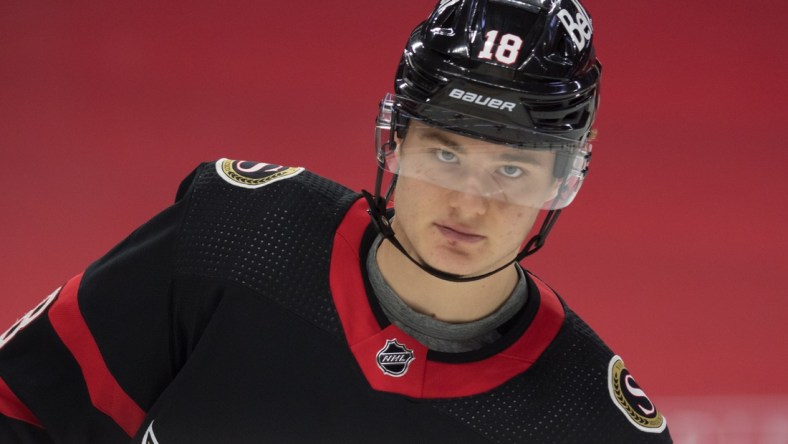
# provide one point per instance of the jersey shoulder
(259, 177)
(577, 391)
(621, 403)
(266, 228)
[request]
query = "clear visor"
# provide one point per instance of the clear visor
(456, 154)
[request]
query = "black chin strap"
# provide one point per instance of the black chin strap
(377, 211)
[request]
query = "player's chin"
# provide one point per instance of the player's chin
(475, 265)
(460, 265)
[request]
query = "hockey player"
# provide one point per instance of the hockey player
(272, 305)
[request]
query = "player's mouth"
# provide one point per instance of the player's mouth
(457, 234)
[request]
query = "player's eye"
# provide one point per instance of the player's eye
(511, 171)
(445, 155)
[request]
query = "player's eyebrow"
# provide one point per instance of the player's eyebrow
(522, 156)
(433, 135)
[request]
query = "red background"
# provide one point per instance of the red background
(674, 251)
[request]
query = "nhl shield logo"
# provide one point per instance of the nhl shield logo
(394, 358)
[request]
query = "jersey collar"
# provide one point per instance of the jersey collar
(392, 361)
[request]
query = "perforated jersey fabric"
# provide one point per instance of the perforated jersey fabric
(563, 397)
(224, 319)
(228, 234)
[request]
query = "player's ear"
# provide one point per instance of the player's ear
(397, 149)
(552, 191)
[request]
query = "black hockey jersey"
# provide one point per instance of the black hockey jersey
(242, 314)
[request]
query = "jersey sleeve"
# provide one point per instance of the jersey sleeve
(89, 361)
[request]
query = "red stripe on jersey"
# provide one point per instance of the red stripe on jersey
(12, 407)
(105, 392)
(424, 378)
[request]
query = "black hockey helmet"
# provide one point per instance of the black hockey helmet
(519, 73)
(523, 68)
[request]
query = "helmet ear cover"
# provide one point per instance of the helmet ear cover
(400, 124)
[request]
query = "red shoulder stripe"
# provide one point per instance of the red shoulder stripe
(105, 392)
(12, 407)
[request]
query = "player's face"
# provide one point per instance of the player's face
(465, 206)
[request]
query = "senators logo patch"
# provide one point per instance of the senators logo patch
(631, 400)
(246, 174)
(394, 358)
